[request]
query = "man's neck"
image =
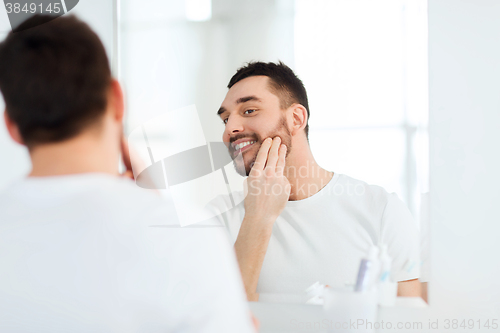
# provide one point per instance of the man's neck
(86, 153)
(305, 176)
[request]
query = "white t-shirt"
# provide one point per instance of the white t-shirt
(95, 253)
(324, 237)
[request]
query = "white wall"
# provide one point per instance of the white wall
(464, 122)
(99, 15)
(168, 62)
(464, 74)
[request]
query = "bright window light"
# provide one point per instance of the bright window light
(198, 10)
(364, 64)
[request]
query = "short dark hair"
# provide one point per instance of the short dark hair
(282, 82)
(54, 78)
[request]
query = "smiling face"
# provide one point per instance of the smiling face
(251, 113)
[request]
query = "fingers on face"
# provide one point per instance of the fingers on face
(260, 160)
(280, 166)
(272, 160)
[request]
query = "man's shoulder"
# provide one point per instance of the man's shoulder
(374, 200)
(105, 195)
(141, 206)
(359, 189)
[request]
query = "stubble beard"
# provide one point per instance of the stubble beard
(244, 167)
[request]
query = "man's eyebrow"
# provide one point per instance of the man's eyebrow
(246, 99)
(221, 110)
(239, 101)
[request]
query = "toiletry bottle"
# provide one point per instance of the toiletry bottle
(368, 271)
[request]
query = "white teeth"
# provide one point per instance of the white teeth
(243, 144)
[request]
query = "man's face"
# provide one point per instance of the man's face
(251, 113)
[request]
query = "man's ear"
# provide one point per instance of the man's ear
(117, 100)
(13, 129)
(299, 117)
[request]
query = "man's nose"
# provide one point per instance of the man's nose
(234, 125)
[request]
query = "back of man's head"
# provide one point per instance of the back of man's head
(54, 79)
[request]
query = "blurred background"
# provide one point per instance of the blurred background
(363, 63)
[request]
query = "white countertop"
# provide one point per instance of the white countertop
(281, 317)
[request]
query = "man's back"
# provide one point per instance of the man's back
(92, 252)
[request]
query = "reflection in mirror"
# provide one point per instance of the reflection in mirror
(364, 66)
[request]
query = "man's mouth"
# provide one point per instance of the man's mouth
(240, 147)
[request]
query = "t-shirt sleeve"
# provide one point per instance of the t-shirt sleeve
(401, 235)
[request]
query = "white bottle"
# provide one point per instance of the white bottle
(368, 271)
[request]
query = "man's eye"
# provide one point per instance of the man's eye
(249, 111)
(225, 121)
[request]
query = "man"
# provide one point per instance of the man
(82, 249)
(300, 223)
